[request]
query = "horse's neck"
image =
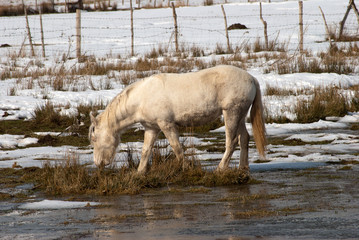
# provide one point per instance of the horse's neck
(122, 115)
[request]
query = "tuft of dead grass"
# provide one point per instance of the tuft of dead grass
(49, 115)
(340, 60)
(325, 102)
(70, 177)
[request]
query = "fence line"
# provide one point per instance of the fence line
(160, 30)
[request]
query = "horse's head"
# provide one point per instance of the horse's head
(103, 140)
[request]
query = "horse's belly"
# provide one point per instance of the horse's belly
(196, 117)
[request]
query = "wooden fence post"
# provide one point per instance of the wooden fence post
(176, 27)
(28, 30)
(78, 33)
(326, 27)
(229, 49)
(265, 26)
(342, 23)
(301, 33)
(42, 34)
(132, 32)
(355, 10)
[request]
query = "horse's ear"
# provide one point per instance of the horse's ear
(93, 119)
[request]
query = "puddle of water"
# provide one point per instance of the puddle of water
(320, 203)
(261, 167)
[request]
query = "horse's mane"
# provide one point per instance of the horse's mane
(108, 114)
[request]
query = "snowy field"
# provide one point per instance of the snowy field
(106, 35)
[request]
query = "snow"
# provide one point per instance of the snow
(276, 129)
(37, 156)
(56, 204)
(107, 33)
(319, 137)
(341, 147)
(13, 141)
(351, 118)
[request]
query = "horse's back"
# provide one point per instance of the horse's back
(195, 97)
(220, 78)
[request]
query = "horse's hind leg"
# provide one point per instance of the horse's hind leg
(231, 121)
(243, 139)
(149, 139)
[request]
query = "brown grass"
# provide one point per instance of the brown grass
(273, 45)
(341, 60)
(70, 177)
(8, 10)
(49, 115)
(273, 91)
(325, 102)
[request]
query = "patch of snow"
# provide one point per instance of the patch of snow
(277, 129)
(56, 204)
(36, 156)
(319, 137)
(350, 118)
(13, 141)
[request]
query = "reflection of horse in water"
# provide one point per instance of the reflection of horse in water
(164, 102)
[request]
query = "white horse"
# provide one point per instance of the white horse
(164, 102)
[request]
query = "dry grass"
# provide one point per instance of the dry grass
(273, 91)
(345, 37)
(49, 115)
(70, 177)
(325, 102)
(341, 60)
(8, 10)
(11, 10)
(78, 77)
(273, 45)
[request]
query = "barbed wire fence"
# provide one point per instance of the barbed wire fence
(103, 34)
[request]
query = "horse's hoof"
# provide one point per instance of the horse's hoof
(141, 172)
(220, 169)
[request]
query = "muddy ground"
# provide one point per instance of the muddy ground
(320, 202)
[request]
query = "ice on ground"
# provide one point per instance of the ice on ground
(320, 137)
(259, 167)
(56, 204)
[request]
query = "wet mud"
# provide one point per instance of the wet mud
(319, 202)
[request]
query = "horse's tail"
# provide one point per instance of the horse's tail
(257, 120)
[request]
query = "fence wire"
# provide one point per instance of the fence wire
(102, 33)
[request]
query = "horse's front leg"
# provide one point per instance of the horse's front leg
(149, 139)
(171, 132)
